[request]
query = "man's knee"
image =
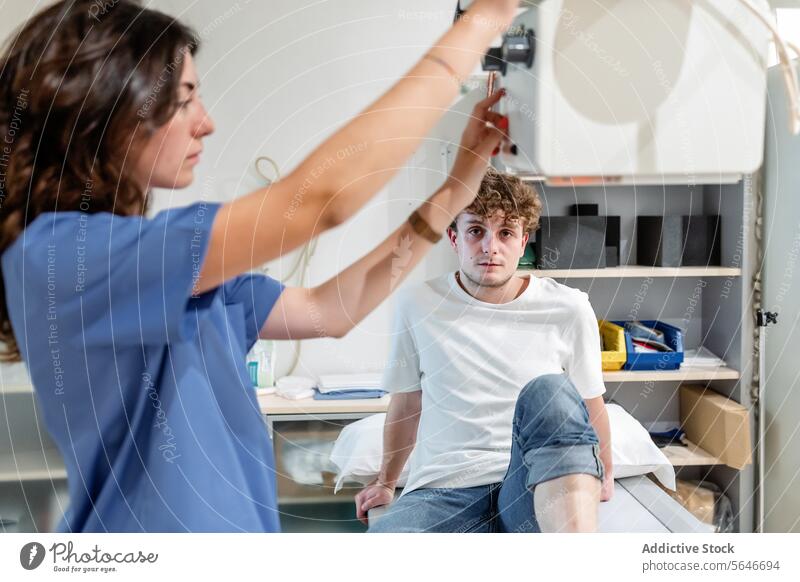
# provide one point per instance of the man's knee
(550, 411)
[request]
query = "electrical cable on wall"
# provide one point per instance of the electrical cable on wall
(303, 260)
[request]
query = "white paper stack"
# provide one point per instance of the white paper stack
(344, 382)
(702, 358)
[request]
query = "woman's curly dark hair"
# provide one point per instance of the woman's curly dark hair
(82, 85)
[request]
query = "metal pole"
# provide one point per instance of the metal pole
(762, 340)
(763, 319)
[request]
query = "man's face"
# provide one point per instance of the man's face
(488, 249)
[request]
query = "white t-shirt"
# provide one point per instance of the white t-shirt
(471, 359)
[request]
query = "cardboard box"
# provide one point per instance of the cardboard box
(698, 500)
(717, 424)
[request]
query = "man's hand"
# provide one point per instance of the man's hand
(607, 489)
(373, 495)
(484, 132)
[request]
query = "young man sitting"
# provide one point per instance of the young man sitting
(497, 390)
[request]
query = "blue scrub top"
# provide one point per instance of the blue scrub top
(143, 387)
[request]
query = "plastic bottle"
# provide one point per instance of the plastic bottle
(261, 364)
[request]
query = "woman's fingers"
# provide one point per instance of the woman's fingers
(482, 107)
(500, 122)
(495, 118)
(489, 145)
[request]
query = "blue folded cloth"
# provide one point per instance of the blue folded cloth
(668, 437)
(348, 394)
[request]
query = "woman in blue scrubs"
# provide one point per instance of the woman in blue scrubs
(135, 329)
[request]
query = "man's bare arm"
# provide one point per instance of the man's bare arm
(399, 438)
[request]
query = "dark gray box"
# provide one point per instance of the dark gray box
(678, 241)
(584, 210)
(571, 242)
(613, 244)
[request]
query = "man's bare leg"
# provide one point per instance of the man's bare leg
(567, 504)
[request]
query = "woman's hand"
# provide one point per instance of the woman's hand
(484, 133)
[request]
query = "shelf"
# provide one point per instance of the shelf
(32, 466)
(14, 379)
(690, 455)
(683, 374)
(633, 271)
(16, 389)
(274, 405)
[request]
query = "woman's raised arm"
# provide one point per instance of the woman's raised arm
(351, 166)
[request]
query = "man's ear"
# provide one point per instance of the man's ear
(525, 239)
(452, 234)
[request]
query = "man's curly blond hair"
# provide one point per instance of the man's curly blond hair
(507, 194)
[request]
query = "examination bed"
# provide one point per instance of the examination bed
(638, 505)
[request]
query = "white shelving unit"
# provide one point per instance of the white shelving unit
(711, 304)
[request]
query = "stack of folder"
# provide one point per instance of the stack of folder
(348, 387)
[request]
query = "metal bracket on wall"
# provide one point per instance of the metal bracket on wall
(763, 320)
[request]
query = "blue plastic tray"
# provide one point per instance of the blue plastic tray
(673, 337)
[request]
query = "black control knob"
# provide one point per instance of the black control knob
(493, 60)
(519, 46)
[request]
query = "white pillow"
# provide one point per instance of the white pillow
(633, 452)
(358, 452)
(359, 449)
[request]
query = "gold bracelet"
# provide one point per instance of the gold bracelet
(443, 63)
(422, 228)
